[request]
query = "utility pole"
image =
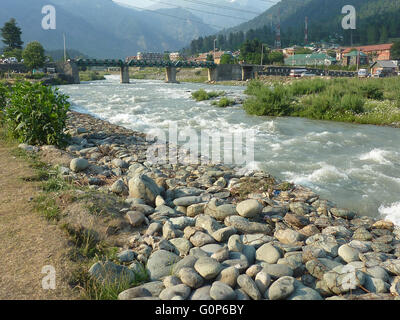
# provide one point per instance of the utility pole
(215, 40)
(65, 50)
(262, 53)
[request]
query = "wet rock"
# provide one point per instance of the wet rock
(342, 213)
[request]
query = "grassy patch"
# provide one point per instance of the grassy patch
(47, 207)
(366, 101)
(202, 95)
(92, 75)
(250, 185)
(224, 102)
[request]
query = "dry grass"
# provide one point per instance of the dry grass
(28, 242)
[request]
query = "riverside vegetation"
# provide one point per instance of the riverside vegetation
(366, 101)
(199, 231)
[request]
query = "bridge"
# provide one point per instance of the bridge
(215, 72)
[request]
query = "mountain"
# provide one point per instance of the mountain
(104, 29)
(220, 14)
(377, 20)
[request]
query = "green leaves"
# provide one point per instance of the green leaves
(36, 114)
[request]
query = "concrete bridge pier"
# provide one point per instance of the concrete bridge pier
(170, 75)
(212, 74)
(70, 71)
(124, 74)
(247, 73)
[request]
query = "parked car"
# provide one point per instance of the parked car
(308, 74)
(296, 73)
(362, 73)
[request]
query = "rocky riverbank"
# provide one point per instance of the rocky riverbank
(207, 232)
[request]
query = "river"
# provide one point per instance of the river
(355, 166)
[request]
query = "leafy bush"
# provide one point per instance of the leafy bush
(36, 114)
(351, 103)
(269, 102)
(303, 87)
(224, 102)
(201, 95)
(372, 91)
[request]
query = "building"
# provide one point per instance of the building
(387, 67)
(175, 56)
(374, 52)
(153, 56)
(203, 56)
(355, 58)
(313, 59)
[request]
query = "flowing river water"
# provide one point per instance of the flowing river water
(355, 166)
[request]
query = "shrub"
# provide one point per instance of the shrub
(201, 95)
(224, 102)
(352, 103)
(303, 87)
(269, 102)
(372, 91)
(37, 114)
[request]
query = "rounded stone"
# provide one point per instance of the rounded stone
(268, 253)
(235, 243)
(262, 280)
(248, 285)
(249, 208)
(171, 281)
(208, 268)
(160, 264)
(221, 291)
(229, 276)
(78, 164)
(191, 278)
(281, 288)
(348, 254)
(181, 290)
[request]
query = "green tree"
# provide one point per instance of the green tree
(11, 35)
(303, 51)
(276, 57)
(17, 53)
(227, 59)
(33, 55)
(395, 52)
(210, 57)
(166, 57)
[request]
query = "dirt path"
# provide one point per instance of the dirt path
(27, 241)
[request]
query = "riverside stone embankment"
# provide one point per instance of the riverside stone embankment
(206, 232)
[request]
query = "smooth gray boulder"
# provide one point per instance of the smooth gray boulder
(143, 187)
(160, 264)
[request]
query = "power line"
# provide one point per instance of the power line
(208, 12)
(203, 3)
(180, 18)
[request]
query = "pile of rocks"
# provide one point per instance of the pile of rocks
(200, 236)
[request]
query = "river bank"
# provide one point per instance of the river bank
(207, 232)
